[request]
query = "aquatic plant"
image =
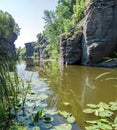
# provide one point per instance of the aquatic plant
(106, 113)
(8, 91)
(23, 91)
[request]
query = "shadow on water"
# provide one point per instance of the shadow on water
(73, 86)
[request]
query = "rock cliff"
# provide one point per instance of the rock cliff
(99, 35)
(29, 49)
(7, 47)
(99, 31)
(70, 48)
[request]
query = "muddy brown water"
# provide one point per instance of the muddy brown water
(74, 86)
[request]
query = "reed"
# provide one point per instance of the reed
(9, 84)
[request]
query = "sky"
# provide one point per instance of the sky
(28, 14)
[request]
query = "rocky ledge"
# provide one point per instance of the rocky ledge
(98, 38)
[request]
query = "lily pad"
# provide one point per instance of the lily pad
(66, 103)
(88, 110)
(36, 128)
(105, 113)
(62, 127)
(104, 105)
(71, 119)
(51, 112)
(104, 126)
(113, 107)
(94, 127)
(43, 96)
(64, 113)
(92, 105)
(92, 122)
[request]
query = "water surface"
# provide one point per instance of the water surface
(73, 85)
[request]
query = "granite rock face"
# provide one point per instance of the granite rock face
(98, 39)
(42, 50)
(99, 31)
(29, 49)
(7, 47)
(70, 48)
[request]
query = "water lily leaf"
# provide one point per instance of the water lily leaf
(113, 103)
(51, 112)
(43, 89)
(101, 109)
(71, 119)
(88, 110)
(64, 113)
(96, 112)
(94, 127)
(113, 107)
(92, 122)
(104, 121)
(92, 105)
(104, 105)
(62, 127)
(30, 104)
(43, 96)
(66, 103)
(105, 113)
(36, 128)
(104, 126)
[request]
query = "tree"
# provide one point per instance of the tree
(49, 17)
(7, 25)
(64, 20)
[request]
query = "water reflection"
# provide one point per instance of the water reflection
(73, 87)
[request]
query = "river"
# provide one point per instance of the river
(73, 86)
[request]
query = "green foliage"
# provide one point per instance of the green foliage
(79, 9)
(64, 20)
(8, 91)
(106, 114)
(38, 116)
(49, 17)
(17, 126)
(68, 25)
(21, 52)
(7, 25)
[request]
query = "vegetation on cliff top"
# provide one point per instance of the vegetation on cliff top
(7, 25)
(63, 20)
(8, 28)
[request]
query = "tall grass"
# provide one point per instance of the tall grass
(9, 84)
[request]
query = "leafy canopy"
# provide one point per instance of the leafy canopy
(7, 25)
